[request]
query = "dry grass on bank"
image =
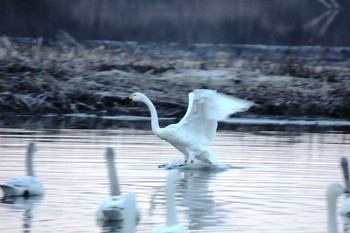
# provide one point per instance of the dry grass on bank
(69, 77)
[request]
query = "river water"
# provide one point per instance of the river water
(277, 184)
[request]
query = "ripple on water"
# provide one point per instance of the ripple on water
(278, 184)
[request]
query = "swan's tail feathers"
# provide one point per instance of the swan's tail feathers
(210, 160)
(8, 191)
(208, 157)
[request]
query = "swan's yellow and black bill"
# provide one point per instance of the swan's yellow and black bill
(131, 97)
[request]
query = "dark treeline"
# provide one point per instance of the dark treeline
(283, 22)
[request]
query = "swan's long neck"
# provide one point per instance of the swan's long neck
(332, 217)
(129, 213)
(29, 159)
(154, 115)
(113, 179)
(344, 165)
(171, 217)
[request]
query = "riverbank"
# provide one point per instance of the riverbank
(64, 76)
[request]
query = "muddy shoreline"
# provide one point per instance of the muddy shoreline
(65, 76)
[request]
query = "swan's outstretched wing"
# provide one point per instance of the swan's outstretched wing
(205, 109)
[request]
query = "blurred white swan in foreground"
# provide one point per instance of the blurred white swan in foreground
(345, 207)
(172, 225)
(28, 185)
(334, 190)
(197, 128)
(130, 213)
(113, 207)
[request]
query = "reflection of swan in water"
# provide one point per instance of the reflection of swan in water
(195, 198)
(324, 20)
(27, 185)
(172, 225)
(197, 129)
(112, 208)
(334, 190)
(198, 200)
(330, 4)
(24, 203)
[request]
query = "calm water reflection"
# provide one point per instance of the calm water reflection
(278, 185)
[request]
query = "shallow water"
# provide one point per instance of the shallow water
(278, 184)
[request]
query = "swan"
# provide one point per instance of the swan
(172, 225)
(129, 214)
(197, 128)
(334, 190)
(112, 208)
(28, 185)
(345, 207)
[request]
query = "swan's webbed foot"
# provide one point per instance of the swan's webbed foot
(173, 165)
(180, 165)
(164, 165)
(185, 163)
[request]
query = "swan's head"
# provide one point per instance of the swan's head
(334, 190)
(137, 96)
(31, 148)
(109, 153)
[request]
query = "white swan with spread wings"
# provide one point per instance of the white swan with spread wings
(197, 128)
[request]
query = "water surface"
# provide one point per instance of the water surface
(278, 184)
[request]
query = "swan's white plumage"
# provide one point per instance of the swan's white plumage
(345, 207)
(172, 225)
(334, 190)
(112, 208)
(130, 213)
(28, 185)
(198, 127)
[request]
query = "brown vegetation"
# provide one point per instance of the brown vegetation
(68, 77)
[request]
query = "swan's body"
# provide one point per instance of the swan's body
(130, 213)
(172, 225)
(28, 185)
(197, 128)
(334, 190)
(345, 207)
(112, 208)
